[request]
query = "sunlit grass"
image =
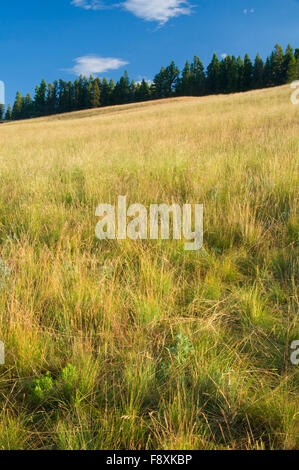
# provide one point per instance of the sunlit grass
(142, 345)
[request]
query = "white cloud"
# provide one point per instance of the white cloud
(157, 10)
(149, 10)
(147, 80)
(224, 56)
(92, 64)
(89, 4)
(247, 11)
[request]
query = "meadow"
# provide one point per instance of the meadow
(141, 344)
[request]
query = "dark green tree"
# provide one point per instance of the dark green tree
(213, 76)
(184, 84)
(8, 114)
(40, 99)
(27, 107)
(224, 72)
(121, 93)
(160, 83)
(197, 78)
(290, 65)
(71, 104)
(172, 75)
(2, 110)
(143, 92)
(233, 75)
(105, 93)
(111, 91)
(51, 100)
(166, 81)
(17, 107)
(277, 66)
(240, 65)
(268, 78)
(63, 97)
(248, 74)
(96, 93)
(90, 93)
(258, 73)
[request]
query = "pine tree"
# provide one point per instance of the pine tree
(71, 106)
(172, 75)
(96, 94)
(160, 83)
(224, 71)
(83, 96)
(268, 78)
(144, 91)
(8, 114)
(197, 78)
(27, 107)
(233, 77)
(40, 99)
(213, 76)
(292, 72)
(240, 65)
(290, 65)
(63, 98)
(2, 109)
(76, 94)
(17, 107)
(248, 73)
(111, 91)
(90, 93)
(105, 93)
(184, 84)
(258, 73)
(132, 93)
(51, 100)
(121, 92)
(86, 93)
(138, 95)
(166, 81)
(55, 95)
(277, 66)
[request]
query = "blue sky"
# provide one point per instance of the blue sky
(60, 38)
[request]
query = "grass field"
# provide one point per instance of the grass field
(142, 345)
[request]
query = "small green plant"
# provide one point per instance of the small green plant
(42, 388)
(69, 377)
(182, 349)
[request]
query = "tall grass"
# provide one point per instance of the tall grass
(142, 345)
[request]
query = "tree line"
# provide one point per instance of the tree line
(230, 74)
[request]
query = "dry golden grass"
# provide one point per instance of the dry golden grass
(142, 345)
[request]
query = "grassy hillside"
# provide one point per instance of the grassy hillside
(122, 344)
